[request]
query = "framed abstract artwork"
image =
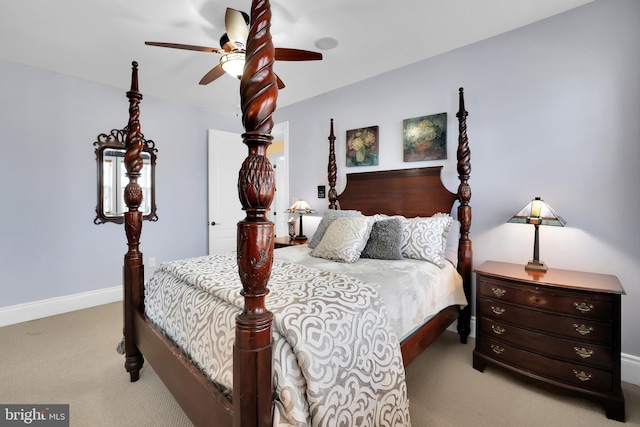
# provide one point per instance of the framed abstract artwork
(425, 138)
(362, 146)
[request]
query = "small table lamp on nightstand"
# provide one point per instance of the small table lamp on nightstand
(301, 208)
(537, 212)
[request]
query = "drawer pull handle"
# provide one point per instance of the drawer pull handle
(497, 310)
(582, 375)
(536, 299)
(583, 307)
(583, 352)
(582, 329)
(497, 330)
(499, 292)
(497, 349)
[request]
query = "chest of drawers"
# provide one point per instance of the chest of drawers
(561, 328)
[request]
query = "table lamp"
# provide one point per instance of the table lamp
(301, 208)
(537, 212)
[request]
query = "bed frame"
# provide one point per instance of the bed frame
(253, 387)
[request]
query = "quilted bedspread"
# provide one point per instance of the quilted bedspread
(337, 361)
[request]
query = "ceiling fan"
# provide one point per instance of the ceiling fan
(233, 49)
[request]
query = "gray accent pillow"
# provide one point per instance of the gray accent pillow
(385, 241)
(327, 218)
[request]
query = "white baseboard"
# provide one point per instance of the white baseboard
(629, 364)
(49, 307)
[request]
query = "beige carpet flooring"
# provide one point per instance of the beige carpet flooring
(71, 358)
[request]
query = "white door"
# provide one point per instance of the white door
(226, 154)
(278, 154)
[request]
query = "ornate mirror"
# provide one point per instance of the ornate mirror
(112, 178)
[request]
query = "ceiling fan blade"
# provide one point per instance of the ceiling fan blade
(237, 26)
(280, 82)
(284, 54)
(186, 47)
(215, 72)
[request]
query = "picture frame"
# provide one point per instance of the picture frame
(425, 138)
(362, 147)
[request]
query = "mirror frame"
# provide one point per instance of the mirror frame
(116, 139)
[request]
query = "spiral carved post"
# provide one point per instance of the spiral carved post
(133, 270)
(465, 253)
(332, 170)
(252, 356)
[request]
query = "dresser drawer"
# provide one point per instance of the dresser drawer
(574, 374)
(569, 350)
(569, 327)
(589, 306)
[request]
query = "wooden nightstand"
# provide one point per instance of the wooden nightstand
(282, 242)
(561, 328)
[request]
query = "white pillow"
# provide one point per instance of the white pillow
(344, 239)
(327, 218)
(453, 241)
(425, 238)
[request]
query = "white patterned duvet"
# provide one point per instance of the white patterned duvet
(337, 357)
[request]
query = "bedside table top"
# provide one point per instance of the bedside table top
(554, 276)
(288, 241)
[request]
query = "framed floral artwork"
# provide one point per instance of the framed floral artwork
(362, 146)
(425, 138)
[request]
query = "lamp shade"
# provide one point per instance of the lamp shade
(300, 207)
(537, 212)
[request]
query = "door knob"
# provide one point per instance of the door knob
(213, 223)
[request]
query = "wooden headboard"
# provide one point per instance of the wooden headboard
(406, 192)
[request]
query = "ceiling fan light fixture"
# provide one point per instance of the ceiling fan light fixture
(233, 63)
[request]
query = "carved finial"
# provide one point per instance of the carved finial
(134, 92)
(461, 110)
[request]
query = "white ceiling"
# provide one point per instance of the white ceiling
(97, 40)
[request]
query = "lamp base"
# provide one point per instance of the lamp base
(300, 237)
(535, 266)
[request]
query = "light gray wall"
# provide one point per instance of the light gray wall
(49, 246)
(552, 112)
(552, 108)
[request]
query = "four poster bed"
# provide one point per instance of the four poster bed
(233, 355)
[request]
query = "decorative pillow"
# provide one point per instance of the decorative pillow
(344, 239)
(453, 241)
(385, 241)
(327, 218)
(425, 238)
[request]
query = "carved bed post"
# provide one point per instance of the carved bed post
(465, 253)
(252, 355)
(332, 170)
(133, 270)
